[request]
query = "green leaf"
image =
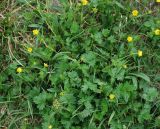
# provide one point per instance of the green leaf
(144, 115)
(111, 39)
(34, 25)
(105, 32)
(85, 113)
(23, 1)
(111, 117)
(149, 23)
(119, 4)
(141, 75)
(89, 85)
(41, 99)
(135, 83)
(89, 58)
(97, 37)
(150, 94)
(104, 106)
(74, 27)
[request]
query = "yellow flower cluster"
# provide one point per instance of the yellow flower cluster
(20, 70)
(158, 1)
(130, 39)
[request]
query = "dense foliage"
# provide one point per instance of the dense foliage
(80, 65)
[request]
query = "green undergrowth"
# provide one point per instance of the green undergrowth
(79, 65)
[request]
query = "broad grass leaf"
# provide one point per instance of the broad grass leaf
(142, 76)
(34, 25)
(119, 4)
(111, 117)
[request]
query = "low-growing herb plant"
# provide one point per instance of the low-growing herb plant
(88, 64)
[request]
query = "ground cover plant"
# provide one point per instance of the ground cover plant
(88, 64)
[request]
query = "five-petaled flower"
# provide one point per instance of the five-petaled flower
(35, 32)
(135, 13)
(129, 39)
(19, 70)
(84, 2)
(140, 53)
(157, 32)
(29, 49)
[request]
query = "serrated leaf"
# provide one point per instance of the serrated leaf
(105, 32)
(89, 58)
(97, 37)
(41, 99)
(85, 113)
(150, 94)
(89, 85)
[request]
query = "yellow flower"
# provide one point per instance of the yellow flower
(29, 49)
(129, 39)
(157, 32)
(84, 2)
(112, 96)
(95, 10)
(125, 66)
(19, 70)
(50, 127)
(140, 53)
(45, 65)
(158, 1)
(135, 13)
(35, 32)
